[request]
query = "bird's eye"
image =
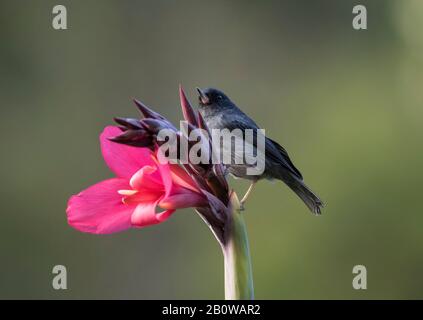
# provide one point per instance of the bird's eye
(219, 97)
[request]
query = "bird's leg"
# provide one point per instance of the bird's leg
(245, 197)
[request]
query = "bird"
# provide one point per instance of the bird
(219, 112)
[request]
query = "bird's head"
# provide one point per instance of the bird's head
(213, 98)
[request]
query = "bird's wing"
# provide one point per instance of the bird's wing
(286, 160)
(274, 151)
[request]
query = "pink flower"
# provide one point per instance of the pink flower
(130, 200)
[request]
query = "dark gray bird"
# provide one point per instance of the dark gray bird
(219, 112)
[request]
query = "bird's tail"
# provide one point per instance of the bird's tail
(312, 201)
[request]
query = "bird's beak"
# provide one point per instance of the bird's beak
(203, 97)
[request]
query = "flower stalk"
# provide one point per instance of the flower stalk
(237, 259)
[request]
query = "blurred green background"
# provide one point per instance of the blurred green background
(346, 104)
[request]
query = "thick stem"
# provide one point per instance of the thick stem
(236, 252)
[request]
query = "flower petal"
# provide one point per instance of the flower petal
(182, 178)
(164, 169)
(183, 200)
(123, 160)
(146, 178)
(99, 209)
(187, 109)
(145, 215)
(142, 196)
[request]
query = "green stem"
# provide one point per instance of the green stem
(236, 253)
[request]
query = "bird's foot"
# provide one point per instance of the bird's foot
(245, 197)
(241, 207)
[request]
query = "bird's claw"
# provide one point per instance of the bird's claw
(241, 207)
